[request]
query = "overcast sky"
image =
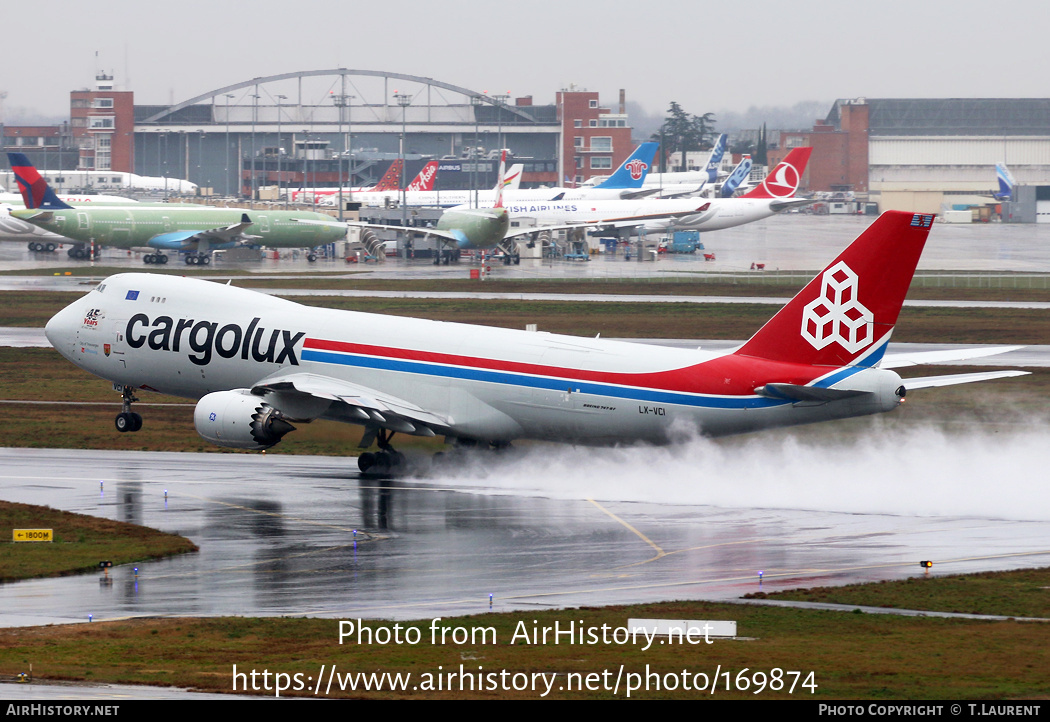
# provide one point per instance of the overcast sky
(708, 56)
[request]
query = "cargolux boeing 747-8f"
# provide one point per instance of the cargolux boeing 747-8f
(259, 365)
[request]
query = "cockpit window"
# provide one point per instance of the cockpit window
(101, 287)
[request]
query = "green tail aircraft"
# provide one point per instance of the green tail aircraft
(180, 227)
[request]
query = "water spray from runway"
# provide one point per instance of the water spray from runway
(898, 469)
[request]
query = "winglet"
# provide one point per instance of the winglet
(36, 193)
(784, 180)
(845, 315)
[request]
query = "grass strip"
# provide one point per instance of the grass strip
(850, 656)
(80, 543)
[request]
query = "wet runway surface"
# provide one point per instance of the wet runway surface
(282, 535)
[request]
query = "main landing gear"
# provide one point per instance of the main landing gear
(197, 259)
(385, 461)
(127, 420)
(38, 247)
(158, 258)
(445, 256)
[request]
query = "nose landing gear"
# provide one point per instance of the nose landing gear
(127, 420)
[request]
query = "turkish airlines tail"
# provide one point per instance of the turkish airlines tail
(783, 181)
(425, 180)
(845, 315)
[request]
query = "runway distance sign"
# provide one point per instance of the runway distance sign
(33, 535)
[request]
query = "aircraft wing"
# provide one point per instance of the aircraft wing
(630, 195)
(894, 361)
(928, 382)
(212, 236)
(419, 231)
(624, 222)
(353, 402)
(787, 203)
(683, 194)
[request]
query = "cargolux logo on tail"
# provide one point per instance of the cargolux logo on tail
(635, 168)
(783, 182)
(837, 315)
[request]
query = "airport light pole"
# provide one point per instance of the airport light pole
(501, 101)
(279, 99)
(226, 156)
(403, 100)
(200, 157)
(255, 112)
(476, 101)
(341, 101)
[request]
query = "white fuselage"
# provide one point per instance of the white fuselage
(720, 213)
(189, 338)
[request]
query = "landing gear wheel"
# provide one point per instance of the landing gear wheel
(50, 247)
(204, 260)
(127, 420)
(311, 257)
(385, 461)
(162, 259)
(191, 260)
(124, 422)
(366, 461)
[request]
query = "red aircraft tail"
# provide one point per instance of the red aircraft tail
(391, 179)
(783, 181)
(425, 180)
(845, 315)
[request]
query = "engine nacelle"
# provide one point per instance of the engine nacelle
(237, 419)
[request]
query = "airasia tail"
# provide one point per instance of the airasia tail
(424, 181)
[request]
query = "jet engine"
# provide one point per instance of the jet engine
(239, 420)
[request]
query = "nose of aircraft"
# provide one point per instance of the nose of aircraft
(61, 329)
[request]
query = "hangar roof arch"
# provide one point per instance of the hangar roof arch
(474, 98)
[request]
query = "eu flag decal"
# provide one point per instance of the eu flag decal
(132, 296)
